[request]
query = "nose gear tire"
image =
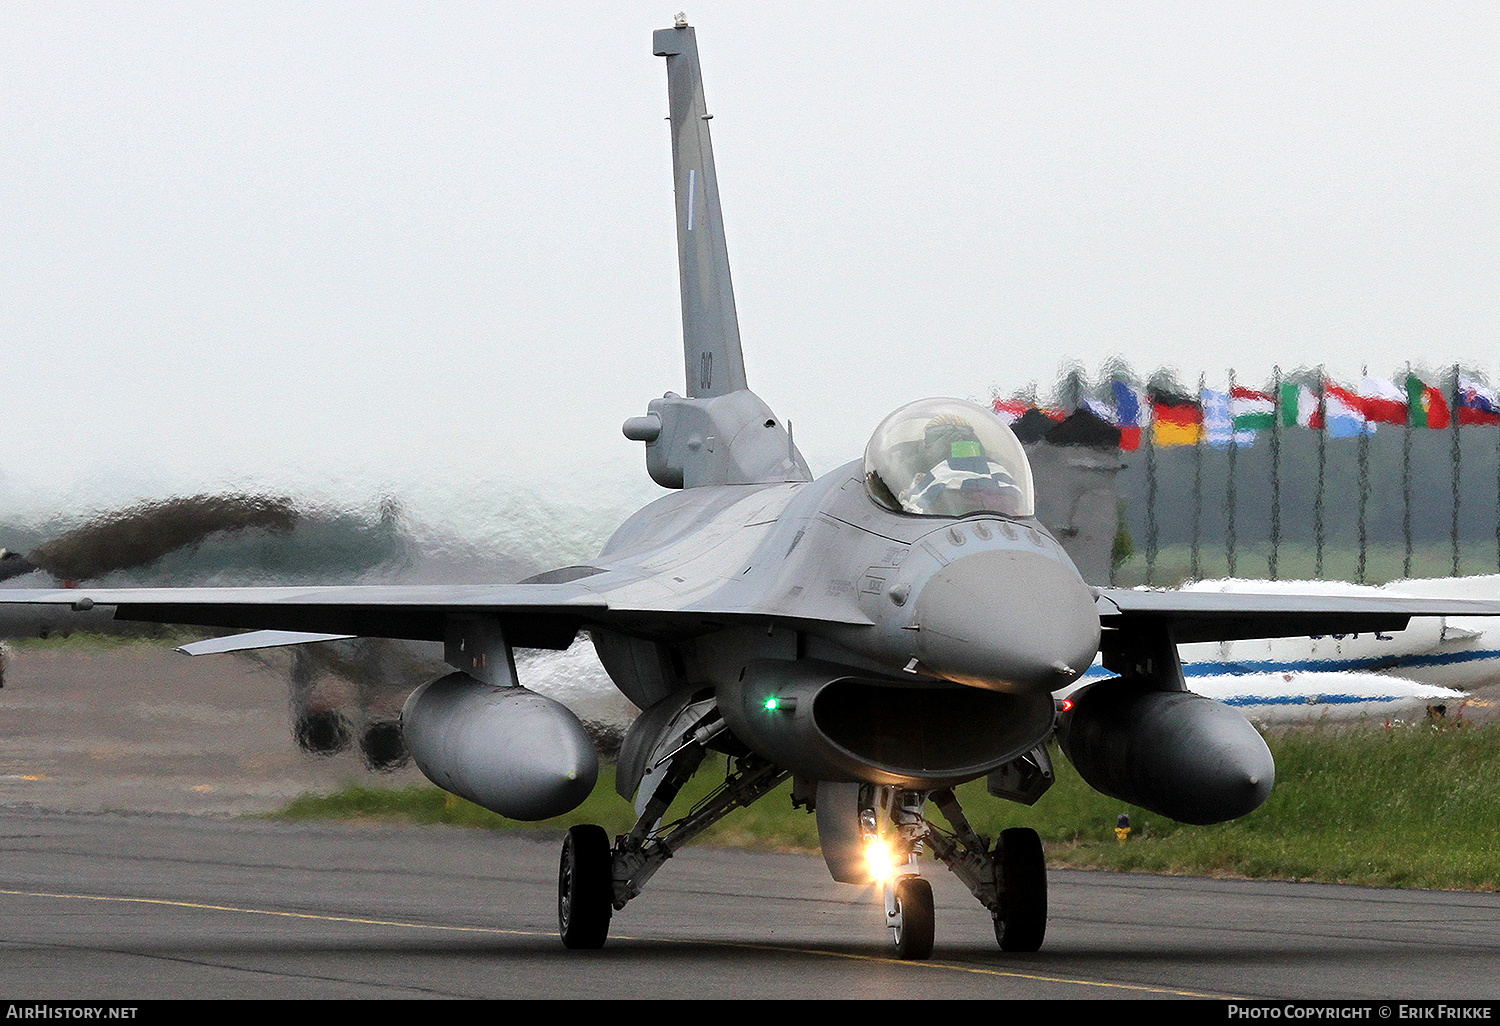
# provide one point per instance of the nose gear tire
(915, 919)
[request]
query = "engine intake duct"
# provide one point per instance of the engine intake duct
(828, 722)
(1173, 752)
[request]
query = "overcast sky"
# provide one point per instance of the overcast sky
(392, 246)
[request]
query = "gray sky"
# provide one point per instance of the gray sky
(427, 248)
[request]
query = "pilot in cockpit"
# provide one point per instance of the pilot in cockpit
(957, 463)
(947, 458)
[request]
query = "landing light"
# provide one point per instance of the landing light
(882, 865)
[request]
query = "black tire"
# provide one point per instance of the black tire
(1021, 871)
(915, 920)
(585, 888)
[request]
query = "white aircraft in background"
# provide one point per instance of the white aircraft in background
(1434, 661)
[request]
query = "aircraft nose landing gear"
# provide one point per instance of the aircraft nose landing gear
(890, 826)
(908, 898)
(909, 914)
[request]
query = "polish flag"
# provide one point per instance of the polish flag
(1381, 401)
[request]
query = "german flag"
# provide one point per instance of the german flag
(1176, 419)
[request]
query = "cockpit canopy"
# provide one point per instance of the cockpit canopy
(948, 458)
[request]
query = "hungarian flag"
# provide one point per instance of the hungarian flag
(1477, 403)
(1130, 414)
(1177, 419)
(1381, 401)
(1428, 407)
(1299, 407)
(1250, 410)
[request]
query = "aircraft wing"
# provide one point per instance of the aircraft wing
(1189, 616)
(540, 614)
(547, 614)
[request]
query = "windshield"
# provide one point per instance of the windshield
(947, 458)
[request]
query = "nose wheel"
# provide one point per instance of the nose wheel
(910, 915)
(585, 888)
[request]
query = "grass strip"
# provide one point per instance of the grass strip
(1406, 806)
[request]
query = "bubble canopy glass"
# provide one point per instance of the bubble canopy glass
(948, 458)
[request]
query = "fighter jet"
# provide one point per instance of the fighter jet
(878, 636)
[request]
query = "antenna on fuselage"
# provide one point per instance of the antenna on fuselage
(710, 329)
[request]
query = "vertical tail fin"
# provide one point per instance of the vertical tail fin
(710, 330)
(721, 433)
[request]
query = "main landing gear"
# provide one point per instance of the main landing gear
(585, 888)
(596, 877)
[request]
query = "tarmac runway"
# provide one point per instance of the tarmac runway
(103, 906)
(124, 877)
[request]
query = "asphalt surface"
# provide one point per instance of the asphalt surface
(123, 876)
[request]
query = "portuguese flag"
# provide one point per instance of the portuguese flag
(1425, 405)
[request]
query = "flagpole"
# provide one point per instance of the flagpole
(1364, 487)
(1457, 459)
(1412, 408)
(1229, 487)
(1322, 462)
(1276, 473)
(1197, 490)
(1150, 434)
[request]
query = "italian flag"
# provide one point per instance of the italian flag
(1299, 407)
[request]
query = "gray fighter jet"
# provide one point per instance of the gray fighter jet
(878, 635)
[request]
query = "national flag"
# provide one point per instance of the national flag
(1130, 413)
(1477, 403)
(1010, 410)
(1251, 411)
(1299, 406)
(1099, 409)
(1342, 414)
(1381, 401)
(1219, 425)
(1176, 419)
(1426, 404)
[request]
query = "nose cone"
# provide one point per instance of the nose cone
(1015, 621)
